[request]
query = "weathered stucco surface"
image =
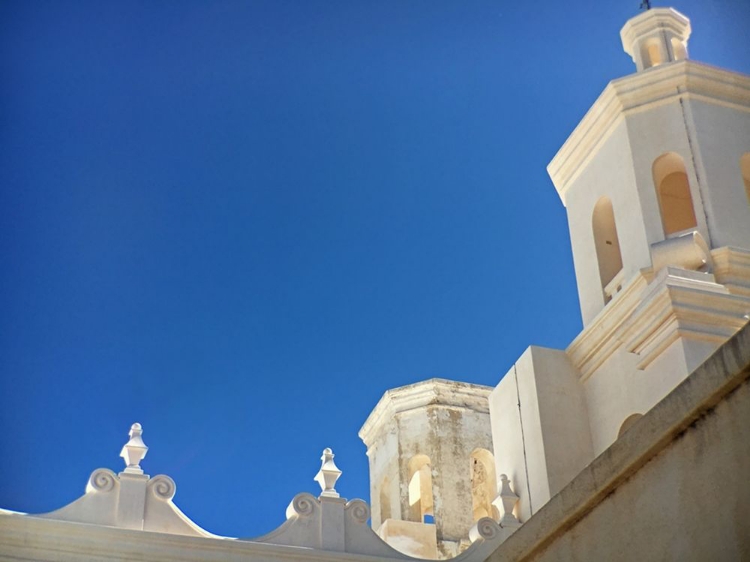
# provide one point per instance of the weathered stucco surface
(442, 423)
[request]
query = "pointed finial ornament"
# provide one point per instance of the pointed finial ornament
(509, 500)
(645, 4)
(134, 450)
(327, 475)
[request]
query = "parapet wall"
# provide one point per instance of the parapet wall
(673, 487)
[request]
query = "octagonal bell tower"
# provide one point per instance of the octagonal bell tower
(656, 183)
(658, 157)
(432, 472)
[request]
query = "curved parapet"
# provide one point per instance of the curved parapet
(162, 515)
(97, 506)
(333, 524)
(302, 525)
(133, 501)
(327, 523)
(486, 535)
(130, 499)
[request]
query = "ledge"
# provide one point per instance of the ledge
(598, 340)
(732, 269)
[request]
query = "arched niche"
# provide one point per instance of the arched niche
(628, 423)
(678, 49)
(607, 243)
(673, 191)
(483, 483)
(421, 502)
(651, 54)
(745, 170)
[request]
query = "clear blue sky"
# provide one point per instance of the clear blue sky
(239, 223)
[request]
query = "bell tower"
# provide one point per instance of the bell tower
(656, 37)
(655, 165)
(432, 473)
(655, 180)
(654, 185)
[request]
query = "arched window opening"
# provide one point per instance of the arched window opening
(607, 245)
(745, 169)
(678, 49)
(385, 500)
(628, 423)
(651, 54)
(483, 483)
(673, 191)
(420, 489)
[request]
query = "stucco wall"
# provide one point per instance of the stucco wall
(540, 427)
(674, 487)
(619, 389)
(722, 135)
(610, 172)
(692, 502)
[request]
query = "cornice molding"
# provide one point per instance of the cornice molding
(732, 269)
(649, 314)
(433, 392)
(644, 90)
(598, 341)
(677, 311)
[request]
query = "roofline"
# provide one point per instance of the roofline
(638, 92)
(438, 392)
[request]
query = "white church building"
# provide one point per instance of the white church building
(631, 443)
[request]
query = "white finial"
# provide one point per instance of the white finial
(509, 500)
(134, 450)
(327, 475)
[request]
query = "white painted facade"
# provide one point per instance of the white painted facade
(653, 170)
(656, 183)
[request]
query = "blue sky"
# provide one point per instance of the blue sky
(239, 223)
